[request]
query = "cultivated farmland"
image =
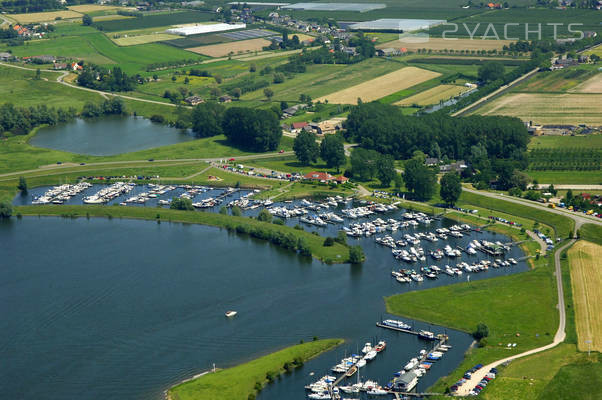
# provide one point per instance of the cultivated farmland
(438, 44)
(382, 86)
(592, 85)
(157, 20)
(32, 18)
(142, 39)
(221, 50)
(548, 108)
(88, 8)
(586, 280)
(433, 95)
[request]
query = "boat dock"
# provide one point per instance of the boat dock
(441, 337)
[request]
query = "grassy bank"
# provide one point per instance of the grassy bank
(517, 309)
(562, 225)
(268, 231)
(591, 233)
(239, 382)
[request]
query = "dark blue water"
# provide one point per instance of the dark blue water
(108, 136)
(120, 309)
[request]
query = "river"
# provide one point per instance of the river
(124, 309)
(108, 136)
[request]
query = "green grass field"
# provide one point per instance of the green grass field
(558, 81)
(591, 233)
(580, 380)
(561, 224)
(157, 20)
(567, 177)
(585, 141)
(96, 48)
(238, 382)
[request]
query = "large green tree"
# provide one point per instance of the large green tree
(306, 148)
(451, 188)
(385, 170)
(419, 179)
(491, 71)
(332, 151)
(363, 163)
(255, 130)
(207, 119)
(6, 209)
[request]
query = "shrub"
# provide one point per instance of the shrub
(329, 242)
(481, 332)
(277, 221)
(356, 254)
(6, 210)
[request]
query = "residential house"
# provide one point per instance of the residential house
(225, 99)
(289, 112)
(318, 176)
(431, 162)
(297, 127)
(388, 52)
(5, 56)
(457, 166)
(194, 100)
(58, 66)
(76, 67)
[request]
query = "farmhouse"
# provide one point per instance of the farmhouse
(225, 99)
(194, 100)
(388, 52)
(289, 112)
(297, 127)
(457, 166)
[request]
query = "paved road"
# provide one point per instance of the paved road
(579, 218)
(478, 376)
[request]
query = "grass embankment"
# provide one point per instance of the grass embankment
(591, 233)
(268, 231)
(237, 383)
(517, 309)
(579, 380)
(562, 225)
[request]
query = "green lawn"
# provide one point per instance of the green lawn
(580, 380)
(567, 177)
(591, 232)
(561, 224)
(331, 254)
(237, 383)
(566, 141)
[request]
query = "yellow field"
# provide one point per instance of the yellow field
(596, 50)
(110, 17)
(32, 18)
(443, 44)
(586, 282)
(548, 108)
(142, 39)
(223, 49)
(382, 86)
(433, 95)
(592, 85)
(86, 8)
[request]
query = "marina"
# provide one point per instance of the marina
(336, 300)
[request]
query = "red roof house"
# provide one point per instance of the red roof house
(318, 176)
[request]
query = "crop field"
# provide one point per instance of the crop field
(592, 85)
(143, 39)
(32, 18)
(491, 24)
(578, 159)
(562, 81)
(155, 20)
(221, 50)
(97, 48)
(586, 280)
(438, 44)
(382, 86)
(110, 17)
(320, 80)
(88, 8)
(548, 108)
(596, 50)
(433, 95)
(197, 40)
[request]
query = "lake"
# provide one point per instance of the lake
(108, 136)
(124, 309)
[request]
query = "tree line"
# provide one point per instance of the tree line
(255, 130)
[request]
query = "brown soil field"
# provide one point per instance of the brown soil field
(223, 49)
(586, 281)
(382, 86)
(442, 44)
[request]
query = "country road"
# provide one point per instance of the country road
(579, 218)
(478, 376)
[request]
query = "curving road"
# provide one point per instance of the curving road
(478, 376)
